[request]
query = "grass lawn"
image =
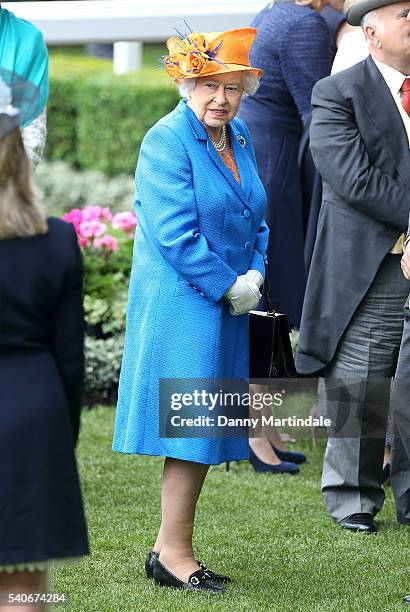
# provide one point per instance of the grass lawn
(270, 533)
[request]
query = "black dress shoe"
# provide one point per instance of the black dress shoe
(406, 599)
(220, 578)
(361, 522)
(152, 555)
(149, 563)
(198, 581)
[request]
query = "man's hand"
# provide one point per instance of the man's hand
(405, 262)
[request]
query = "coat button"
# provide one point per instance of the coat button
(247, 246)
(246, 213)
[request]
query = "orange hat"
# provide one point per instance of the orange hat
(210, 53)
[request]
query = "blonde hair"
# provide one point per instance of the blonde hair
(21, 213)
(316, 5)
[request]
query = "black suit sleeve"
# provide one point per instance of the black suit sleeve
(341, 157)
(68, 333)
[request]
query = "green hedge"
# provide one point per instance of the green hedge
(97, 120)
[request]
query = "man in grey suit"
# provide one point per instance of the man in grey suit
(352, 317)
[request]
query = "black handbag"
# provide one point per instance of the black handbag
(270, 351)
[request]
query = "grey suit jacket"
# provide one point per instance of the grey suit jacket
(360, 147)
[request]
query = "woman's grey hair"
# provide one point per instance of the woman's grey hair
(250, 85)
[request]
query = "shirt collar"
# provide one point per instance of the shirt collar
(393, 77)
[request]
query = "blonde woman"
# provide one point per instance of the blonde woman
(41, 369)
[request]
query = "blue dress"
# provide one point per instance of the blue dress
(197, 230)
(292, 48)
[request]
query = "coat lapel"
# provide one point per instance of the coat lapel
(243, 188)
(380, 106)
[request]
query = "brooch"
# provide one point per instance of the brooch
(241, 140)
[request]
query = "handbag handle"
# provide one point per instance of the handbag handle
(270, 309)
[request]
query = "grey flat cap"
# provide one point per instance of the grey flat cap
(361, 7)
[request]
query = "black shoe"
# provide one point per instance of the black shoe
(406, 599)
(149, 563)
(361, 522)
(284, 467)
(290, 456)
(198, 581)
(219, 578)
(152, 555)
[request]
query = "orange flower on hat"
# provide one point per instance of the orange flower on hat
(189, 55)
(195, 62)
(199, 54)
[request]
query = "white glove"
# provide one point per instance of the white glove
(254, 276)
(243, 295)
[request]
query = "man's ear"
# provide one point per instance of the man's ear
(372, 36)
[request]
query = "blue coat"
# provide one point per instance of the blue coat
(197, 230)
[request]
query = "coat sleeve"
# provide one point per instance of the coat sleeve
(68, 334)
(166, 195)
(341, 157)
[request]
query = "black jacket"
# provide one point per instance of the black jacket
(361, 149)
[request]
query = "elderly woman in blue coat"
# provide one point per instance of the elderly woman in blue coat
(198, 265)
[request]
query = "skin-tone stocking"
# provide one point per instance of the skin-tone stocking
(181, 485)
(260, 438)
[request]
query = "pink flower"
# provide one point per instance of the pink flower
(125, 221)
(83, 242)
(108, 242)
(106, 214)
(91, 229)
(94, 213)
(75, 216)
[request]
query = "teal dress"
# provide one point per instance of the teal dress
(23, 51)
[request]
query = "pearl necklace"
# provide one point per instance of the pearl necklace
(221, 144)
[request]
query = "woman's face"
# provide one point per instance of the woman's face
(215, 100)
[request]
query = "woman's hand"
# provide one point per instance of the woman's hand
(243, 295)
(254, 276)
(405, 262)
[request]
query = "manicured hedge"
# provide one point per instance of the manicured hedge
(97, 120)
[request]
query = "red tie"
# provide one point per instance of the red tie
(405, 95)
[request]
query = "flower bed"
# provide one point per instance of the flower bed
(106, 241)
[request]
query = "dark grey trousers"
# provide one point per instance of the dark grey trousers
(400, 414)
(367, 351)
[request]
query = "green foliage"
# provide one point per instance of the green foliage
(64, 188)
(102, 368)
(106, 277)
(107, 244)
(97, 120)
(62, 112)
